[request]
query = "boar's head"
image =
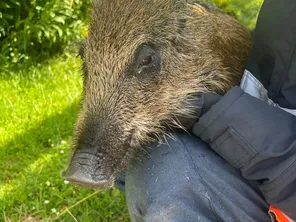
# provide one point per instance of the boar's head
(142, 60)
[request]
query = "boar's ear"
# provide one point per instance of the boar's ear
(81, 49)
(80, 45)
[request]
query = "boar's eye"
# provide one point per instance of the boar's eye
(147, 59)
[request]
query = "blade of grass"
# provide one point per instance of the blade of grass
(71, 214)
(77, 203)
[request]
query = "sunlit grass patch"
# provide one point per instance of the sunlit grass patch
(38, 109)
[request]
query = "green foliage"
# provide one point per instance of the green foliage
(36, 29)
(245, 11)
(38, 109)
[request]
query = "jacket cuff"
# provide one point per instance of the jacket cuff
(217, 110)
(215, 127)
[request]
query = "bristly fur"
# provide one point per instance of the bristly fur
(201, 49)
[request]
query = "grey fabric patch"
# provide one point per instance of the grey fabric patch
(254, 87)
(251, 85)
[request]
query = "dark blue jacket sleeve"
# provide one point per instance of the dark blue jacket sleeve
(258, 139)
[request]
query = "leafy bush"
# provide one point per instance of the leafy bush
(36, 29)
(245, 11)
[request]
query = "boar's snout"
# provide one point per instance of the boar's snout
(97, 155)
(78, 176)
(85, 170)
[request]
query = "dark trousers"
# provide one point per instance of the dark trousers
(185, 180)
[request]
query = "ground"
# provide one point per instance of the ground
(38, 108)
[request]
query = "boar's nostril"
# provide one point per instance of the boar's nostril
(79, 177)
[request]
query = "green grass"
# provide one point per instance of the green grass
(38, 108)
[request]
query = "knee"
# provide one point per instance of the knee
(158, 178)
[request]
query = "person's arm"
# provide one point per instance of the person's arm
(258, 139)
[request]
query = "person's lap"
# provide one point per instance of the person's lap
(184, 180)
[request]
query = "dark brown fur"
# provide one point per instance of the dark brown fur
(200, 48)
